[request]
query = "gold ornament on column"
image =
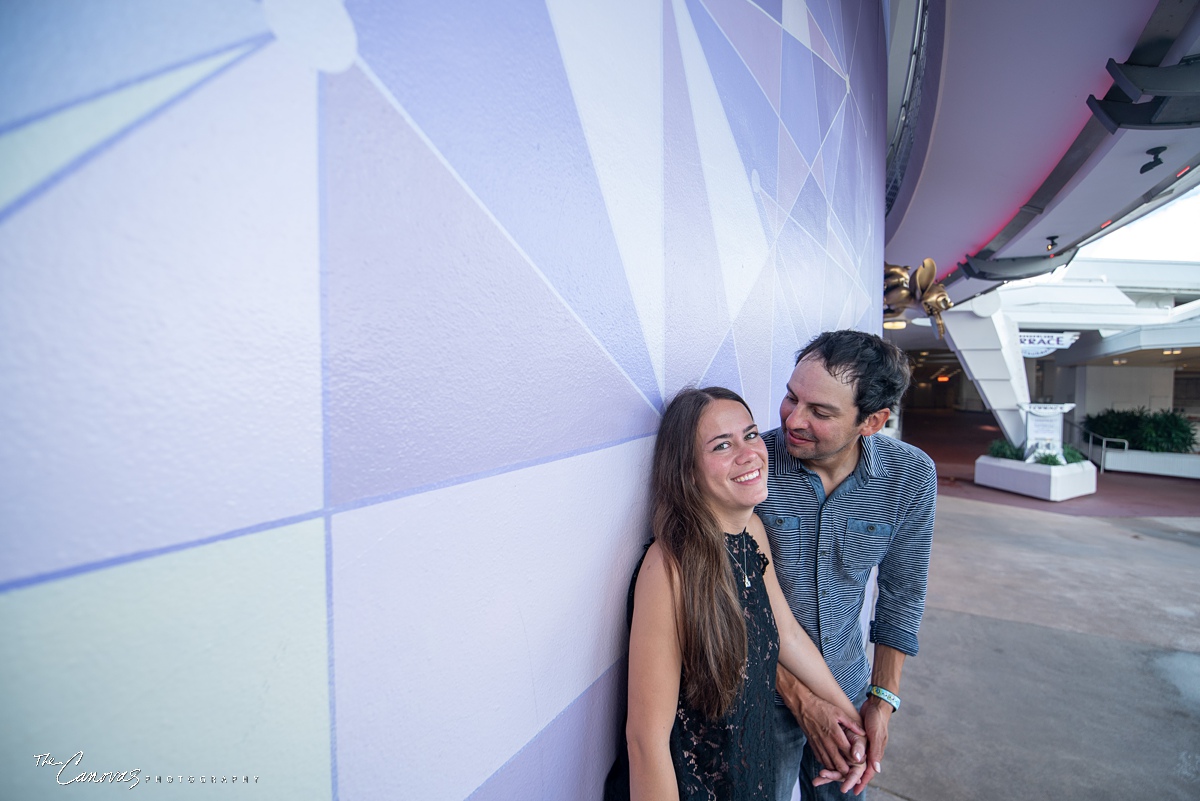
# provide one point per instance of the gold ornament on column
(901, 287)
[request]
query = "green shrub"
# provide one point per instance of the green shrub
(1048, 458)
(1072, 455)
(1170, 432)
(1163, 431)
(1001, 449)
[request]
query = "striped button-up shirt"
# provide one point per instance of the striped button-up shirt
(824, 548)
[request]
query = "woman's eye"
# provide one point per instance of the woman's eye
(752, 435)
(721, 446)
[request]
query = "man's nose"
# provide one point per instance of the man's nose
(797, 419)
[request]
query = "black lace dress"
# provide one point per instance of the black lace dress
(733, 758)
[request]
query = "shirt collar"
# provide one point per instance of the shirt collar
(785, 464)
(870, 462)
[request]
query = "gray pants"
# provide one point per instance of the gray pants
(796, 760)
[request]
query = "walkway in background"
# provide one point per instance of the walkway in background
(1060, 652)
(955, 439)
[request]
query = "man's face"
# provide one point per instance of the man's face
(818, 414)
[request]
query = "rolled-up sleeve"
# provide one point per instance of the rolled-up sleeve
(904, 571)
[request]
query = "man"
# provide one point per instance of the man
(841, 501)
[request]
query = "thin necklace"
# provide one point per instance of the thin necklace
(742, 564)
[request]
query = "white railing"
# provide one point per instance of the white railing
(1091, 440)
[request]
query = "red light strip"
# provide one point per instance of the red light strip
(1181, 172)
(1105, 225)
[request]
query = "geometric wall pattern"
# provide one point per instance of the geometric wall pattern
(335, 338)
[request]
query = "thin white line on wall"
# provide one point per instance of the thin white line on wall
(383, 90)
(738, 53)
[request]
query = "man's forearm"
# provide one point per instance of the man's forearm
(793, 691)
(888, 664)
(822, 722)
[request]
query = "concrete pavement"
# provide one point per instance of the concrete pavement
(1060, 658)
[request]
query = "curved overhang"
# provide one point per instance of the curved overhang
(1017, 168)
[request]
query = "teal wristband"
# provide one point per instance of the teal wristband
(887, 695)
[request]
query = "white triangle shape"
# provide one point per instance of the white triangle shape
(33, 153)
(742, 245)
(620, 103)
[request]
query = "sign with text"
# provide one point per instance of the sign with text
(1035, 344)
(1043, 429)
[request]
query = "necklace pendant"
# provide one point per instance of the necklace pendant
(746, 580)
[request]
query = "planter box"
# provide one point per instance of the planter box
(1181, 465)
(1050, 483)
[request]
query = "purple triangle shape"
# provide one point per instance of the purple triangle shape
(696, 313)
(445, 351)
(752, 118)
(724, 370)
(486, 83)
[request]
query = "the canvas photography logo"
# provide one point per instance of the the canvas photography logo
(74, 770)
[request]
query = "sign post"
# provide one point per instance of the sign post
(1043, 429)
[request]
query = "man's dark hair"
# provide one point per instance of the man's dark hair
(877, 369)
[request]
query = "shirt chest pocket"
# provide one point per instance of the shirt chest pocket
(863, 544)
(786, 540)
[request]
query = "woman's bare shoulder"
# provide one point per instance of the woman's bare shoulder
(656, 575)
(755, 527)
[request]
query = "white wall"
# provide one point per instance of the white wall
(334, 341)
(1122, 387)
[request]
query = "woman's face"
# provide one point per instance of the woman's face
(731, 461)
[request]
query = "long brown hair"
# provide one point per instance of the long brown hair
(712, 631)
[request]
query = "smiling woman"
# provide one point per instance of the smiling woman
(703, 607)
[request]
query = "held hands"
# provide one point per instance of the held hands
(835, 738)
(856, 759)
(875, 715)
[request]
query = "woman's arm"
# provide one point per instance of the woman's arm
(800, 657)
(655, 661)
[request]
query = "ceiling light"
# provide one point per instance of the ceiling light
(1176, 352)
(1167, 352)
(1181, 172)
(894, 325)
(1105, 225)
(942, 379)
(1156, 158)
(924, 353)
(1053, 243)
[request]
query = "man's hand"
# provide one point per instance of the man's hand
(858, 744)
(876, 714)
(824, 724)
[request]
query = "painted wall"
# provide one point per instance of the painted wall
(1126, 387)
(333, 344)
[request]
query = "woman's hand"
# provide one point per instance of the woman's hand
(856, 761)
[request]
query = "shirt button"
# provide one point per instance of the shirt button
(823, 553)
(779, 521)
(871, 528)
(824, 593)
(824, 639)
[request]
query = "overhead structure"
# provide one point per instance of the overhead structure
(1074, 138)
(1011, 187)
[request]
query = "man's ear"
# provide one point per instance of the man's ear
(874, 422)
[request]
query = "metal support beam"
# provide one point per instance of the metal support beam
(1136, 80)
(1013, 269)
(1160, 114)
